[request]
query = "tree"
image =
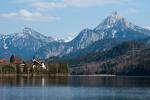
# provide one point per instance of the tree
(12, 58)
(18, 69)
(63, 67)
(25, 69)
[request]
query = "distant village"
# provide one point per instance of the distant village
(16, 65)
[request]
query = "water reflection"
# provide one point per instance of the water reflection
(74, 93)
(33, 81)
(94, 81)
(74, 88)
(110, 81)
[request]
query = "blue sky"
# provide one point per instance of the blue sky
(63, 18)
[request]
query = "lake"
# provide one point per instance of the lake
(74, 88)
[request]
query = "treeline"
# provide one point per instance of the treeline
(27, 68)
(128, 58)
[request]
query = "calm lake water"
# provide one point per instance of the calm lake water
(74, 88)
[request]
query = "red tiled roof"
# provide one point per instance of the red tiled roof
(17, 60)
(2, 60)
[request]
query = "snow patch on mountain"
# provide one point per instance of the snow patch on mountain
(24, 44)
(148, 27)
(36, 35)
(114, 33)
(66, 37)
(114, 20)
(5, 45)
(30, 42)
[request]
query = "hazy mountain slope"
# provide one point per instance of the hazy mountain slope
(128, 58)
(114, 27)
(23, 44)
(112, 31)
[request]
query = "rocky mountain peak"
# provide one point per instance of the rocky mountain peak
(114, 20)
(115, 15)
(30, 31)
(36, 35)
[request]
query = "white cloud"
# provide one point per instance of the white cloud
(42, 5)
(25, 1)
(88, 3)
(26, 15)
(53, 4)
(48, 5)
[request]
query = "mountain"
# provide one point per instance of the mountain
(128, 58)
(23, 44)
(113, 28)
(100, 45)
(148, 28)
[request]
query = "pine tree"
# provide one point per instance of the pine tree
(12, 58)
(17, 69)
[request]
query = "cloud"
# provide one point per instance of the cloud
(43, 5)
(58, 4)
(48, 5)
(89, 3)
(26, 15)
(25, 1)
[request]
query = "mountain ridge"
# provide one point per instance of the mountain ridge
(112, 27)
(127, 58)
(23, 44)
(30, 43)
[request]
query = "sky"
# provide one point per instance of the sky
(66, 18)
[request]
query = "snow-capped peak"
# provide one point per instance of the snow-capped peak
(36, 35)
(30, 31)
(116, 16)
(114, 20)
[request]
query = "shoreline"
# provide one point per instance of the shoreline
(54, 75)
(67, 75)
